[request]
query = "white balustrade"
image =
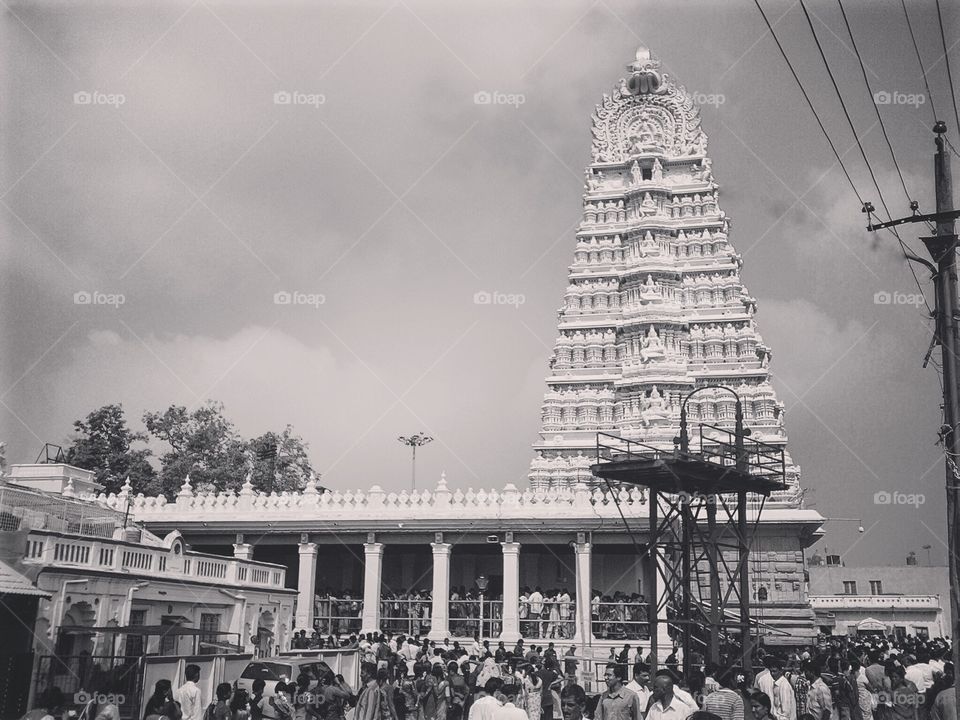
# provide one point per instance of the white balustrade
(53, 549)
(376, 504)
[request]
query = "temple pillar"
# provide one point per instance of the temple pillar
(372, 571)
(440, 612)
(584, 623)
(306, 583)
(511, 592)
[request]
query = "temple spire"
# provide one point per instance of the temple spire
(655, 306)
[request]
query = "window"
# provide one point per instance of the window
(168, 639)
(849, 587)
(266, 671)
(209, 625)
(876, 587)
(135, 643)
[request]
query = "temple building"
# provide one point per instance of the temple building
(654, 309)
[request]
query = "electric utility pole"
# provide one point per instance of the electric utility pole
(943, 249)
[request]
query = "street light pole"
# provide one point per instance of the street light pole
(415, 441)
(482, 582)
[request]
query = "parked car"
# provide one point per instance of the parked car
(277, 669)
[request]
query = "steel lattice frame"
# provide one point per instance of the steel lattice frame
(699, 506)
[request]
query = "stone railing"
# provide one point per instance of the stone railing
(875, 602)
(53, 549)
(579, 501)
(375, 503)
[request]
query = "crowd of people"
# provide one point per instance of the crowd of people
(407, 678)
(544, 614)
(619, 616)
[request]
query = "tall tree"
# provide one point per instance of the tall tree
(203, 443)
(280, 461)
(104, 444)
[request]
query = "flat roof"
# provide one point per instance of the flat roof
(684, 473)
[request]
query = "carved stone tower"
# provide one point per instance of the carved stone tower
(655, 306)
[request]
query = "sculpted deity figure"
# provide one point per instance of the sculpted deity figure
(652, 346)
(648, 245)
(699, 147)
(650, 290)
(706, 171)
(648, 206)
(593, 182)
(657, 171)
(655, 408)
(636, 176)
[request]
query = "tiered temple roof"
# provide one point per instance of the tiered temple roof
(655, 306)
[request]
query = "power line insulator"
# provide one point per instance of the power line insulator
(868, 208)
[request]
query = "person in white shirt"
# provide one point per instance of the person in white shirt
(536, 609)
(764, 682)
(915, 673)
(188, 695)
(566, 614)
(641, 685)
(508, 709)
(486, 705)
(665, 704)
(783, 701)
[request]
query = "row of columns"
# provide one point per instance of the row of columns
(440, 615)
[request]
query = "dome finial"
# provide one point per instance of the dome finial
(644, 60)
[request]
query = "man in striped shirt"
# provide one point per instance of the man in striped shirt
(725, 702)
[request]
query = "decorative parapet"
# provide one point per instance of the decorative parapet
(875, 602)
(577, 502)
(376, 503)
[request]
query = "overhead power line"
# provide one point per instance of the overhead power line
(809, 102)
(846, 113)
(946, 60)
(923, 70)
(873, 101)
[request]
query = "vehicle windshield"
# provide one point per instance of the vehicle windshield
(267, 671)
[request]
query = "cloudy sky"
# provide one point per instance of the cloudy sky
(384, 188)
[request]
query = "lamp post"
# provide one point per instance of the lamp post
(927, 548)
(415, 441)
(482, 583)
